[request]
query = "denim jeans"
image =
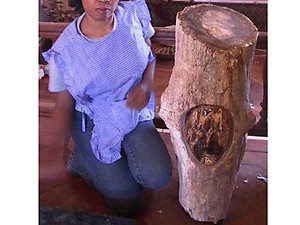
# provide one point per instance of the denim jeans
(145, 163)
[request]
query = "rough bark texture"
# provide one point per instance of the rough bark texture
(206, 105)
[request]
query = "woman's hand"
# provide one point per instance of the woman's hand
(139, 96)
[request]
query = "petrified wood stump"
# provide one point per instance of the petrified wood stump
(206, 105)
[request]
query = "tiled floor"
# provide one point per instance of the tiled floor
(59, 189)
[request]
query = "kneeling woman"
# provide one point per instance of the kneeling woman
(102, 68)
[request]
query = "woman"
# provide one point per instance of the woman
(102, 66)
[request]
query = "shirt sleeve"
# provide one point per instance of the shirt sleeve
(150, 32)
(56, 82)
(144, 16)
(145, 20)
(151, 57)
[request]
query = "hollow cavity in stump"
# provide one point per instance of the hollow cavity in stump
(208, 132)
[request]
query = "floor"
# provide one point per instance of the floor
(59, 189)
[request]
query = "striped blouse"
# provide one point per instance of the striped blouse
(99, 73)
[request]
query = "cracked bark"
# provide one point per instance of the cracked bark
(214, 53)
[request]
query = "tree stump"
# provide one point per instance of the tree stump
(206, 105)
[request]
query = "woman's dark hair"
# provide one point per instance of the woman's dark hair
(77, 4)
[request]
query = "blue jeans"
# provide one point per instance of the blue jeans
(145, 163)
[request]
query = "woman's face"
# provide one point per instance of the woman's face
(100, 10)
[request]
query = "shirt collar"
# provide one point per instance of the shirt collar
(79, 20)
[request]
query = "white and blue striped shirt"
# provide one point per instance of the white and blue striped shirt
(99, 73)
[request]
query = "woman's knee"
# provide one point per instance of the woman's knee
(157, 182)
(147, 156)
(122, 198)
(154, 177)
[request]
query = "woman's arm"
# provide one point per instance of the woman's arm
(62, 121)
(139, 97)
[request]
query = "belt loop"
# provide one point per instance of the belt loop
(82, 122)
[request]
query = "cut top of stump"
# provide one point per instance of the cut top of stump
(220, 27)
